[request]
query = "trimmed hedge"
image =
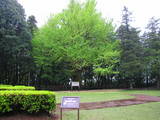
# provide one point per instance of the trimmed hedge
(27, 101)
(17, 87)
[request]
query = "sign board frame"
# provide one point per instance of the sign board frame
(75, 84)
(70, 102)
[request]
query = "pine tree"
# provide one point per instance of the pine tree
(152, 43)
(130, 63)
(15, 42)
(31, 22)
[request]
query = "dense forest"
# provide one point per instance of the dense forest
(77, 44)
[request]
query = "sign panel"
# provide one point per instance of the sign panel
(75, 84)
(70, 102)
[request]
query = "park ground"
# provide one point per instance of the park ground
(105, 105)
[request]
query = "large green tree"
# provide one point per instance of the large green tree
(14, 43)
(131, 65)
(152, 49)
(78, 37)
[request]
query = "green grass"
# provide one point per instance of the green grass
(93, 96)
(149, 111)
(146, 92)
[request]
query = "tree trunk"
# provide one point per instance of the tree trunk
(158, 82)
(77, 77)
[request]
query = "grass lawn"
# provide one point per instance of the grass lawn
(90, 96)
(146, 92)
(149, 111)
(101, 95)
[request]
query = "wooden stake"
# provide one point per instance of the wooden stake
(61, 113)
(78, 114)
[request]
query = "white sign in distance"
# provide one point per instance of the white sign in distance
(75, 84)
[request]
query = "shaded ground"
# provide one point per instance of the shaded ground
(23, 116)
(139, 99)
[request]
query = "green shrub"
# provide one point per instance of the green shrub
(5, 104)
(17, 87)
(28, 101)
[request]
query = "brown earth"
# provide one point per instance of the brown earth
(23, 116)
(139, 99)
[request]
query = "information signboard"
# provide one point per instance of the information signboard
(70, 102)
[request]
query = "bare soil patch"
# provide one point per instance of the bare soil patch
(139, 99)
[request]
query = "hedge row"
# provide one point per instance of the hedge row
(17, 87)
(27, 101)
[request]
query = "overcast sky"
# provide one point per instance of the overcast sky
(142, 9)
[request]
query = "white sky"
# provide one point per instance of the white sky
(142, 9)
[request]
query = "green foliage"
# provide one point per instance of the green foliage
(5, 104)
(108, 60)
(17, 87)
(152, 49)
(31, 22)
(131, 64)
(15, 43)
(28, 101)
(79, 37)
(76, 44)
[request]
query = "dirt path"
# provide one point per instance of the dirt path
(139, 99)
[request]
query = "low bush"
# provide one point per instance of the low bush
(27, 101)
(17, 87)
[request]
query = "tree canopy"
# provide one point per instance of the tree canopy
(152, 49)
(131, 65)
(15, 42)
(77, 44)
(80, 37)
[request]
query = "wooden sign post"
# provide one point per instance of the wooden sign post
(69, 102)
